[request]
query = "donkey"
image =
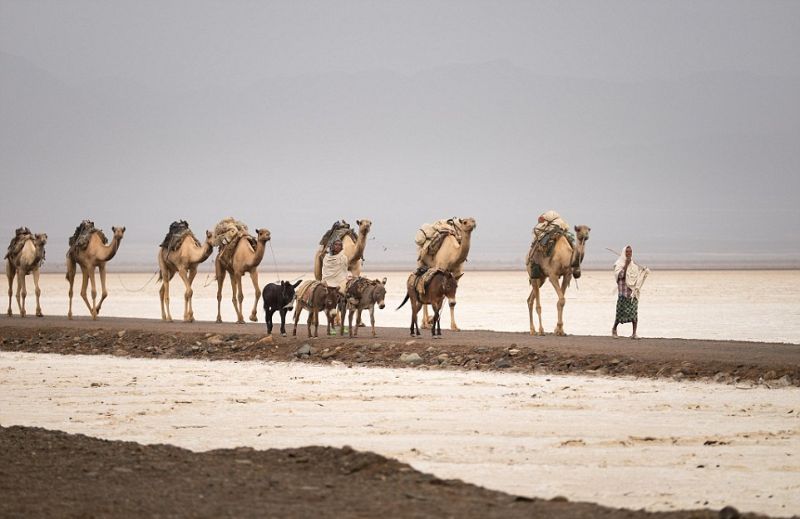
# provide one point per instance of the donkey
(363, 294)
(316, 297)
(441, 284)
(278, 298)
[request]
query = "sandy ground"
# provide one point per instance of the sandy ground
(656, 444)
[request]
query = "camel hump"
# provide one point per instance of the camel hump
(178, 230)
(21, 235)
(84, 231)
(338, 231)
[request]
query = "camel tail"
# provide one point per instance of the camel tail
(70, 267)
(401, 304)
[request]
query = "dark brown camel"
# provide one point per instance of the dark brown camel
(440, 285)
(315, 298)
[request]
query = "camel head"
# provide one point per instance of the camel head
(210, 238)
(263, 235)
(118, 232)
(582, 232)
(465, 224)
(40, 239)
(363, 226)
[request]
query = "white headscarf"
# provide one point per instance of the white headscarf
(634, 276)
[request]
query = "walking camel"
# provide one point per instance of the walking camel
(182, 260)
(95, 255)
(354, 250)
(244, 259)
(23, 259)
(451, 257)
(565, 263)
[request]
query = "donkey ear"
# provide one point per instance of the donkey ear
(459, 276)
(358, 222)
(297, 284)
(576, 228)
(383, 281)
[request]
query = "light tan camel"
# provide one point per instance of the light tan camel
(565, 263)
(96, 254)
(26, 261)
(183, 261)
(243, 260)
(354, 250)
(451, 257)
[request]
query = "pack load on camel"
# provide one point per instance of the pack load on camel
(178, 230)
(80, 238)
(227, 234)
(21, 235)
(338, 230)
(549, 228)
(430, 236)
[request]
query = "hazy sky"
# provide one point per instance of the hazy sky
(673, 126)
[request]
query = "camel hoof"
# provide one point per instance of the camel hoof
(69, 316)
(254, 318)
(39, 314)
(9, 313)
(240, 321)
(219, 320)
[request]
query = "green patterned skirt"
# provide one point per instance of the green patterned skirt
(627, 309)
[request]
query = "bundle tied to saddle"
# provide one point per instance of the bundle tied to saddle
(178, 230)
(423, 278)
(21, 235)
(430, 236)
(546, 234)
(227, 234)
(80, 238)
(338, 231)
(355, 288)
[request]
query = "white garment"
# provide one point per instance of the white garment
(551, 218)
(634, 276)
(334, 269)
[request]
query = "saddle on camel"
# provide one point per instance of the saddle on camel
(178, 230)
(430, 236)
(429, 286)
(338, 230)
(80, 238)
(549, 228)
(21, 236)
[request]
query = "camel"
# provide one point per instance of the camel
(354, 250)
(95, 255)
(565, 263)
(451, 257)
(21, 261)
(183, 261)
(244, 259)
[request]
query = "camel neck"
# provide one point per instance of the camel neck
(205, 252)
(107, 252)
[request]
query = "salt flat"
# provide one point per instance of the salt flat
(652, 444)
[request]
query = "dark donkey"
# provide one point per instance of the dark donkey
(278, 298)
(363, 294)
(316, 297)
(437, 286)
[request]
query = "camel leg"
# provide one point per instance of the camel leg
(11, 272)
(71, 281)
(103, 291)
(254, 277)
(538, 298)
(561, 301)
(93, 284)
(187, 294)
(238, 297)
(426, 320)
(220, 274)
(531, 302)
(84, 284)
(453, 325)
(37, 291)
(191, 273)
(22, 291)
(163, 293)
